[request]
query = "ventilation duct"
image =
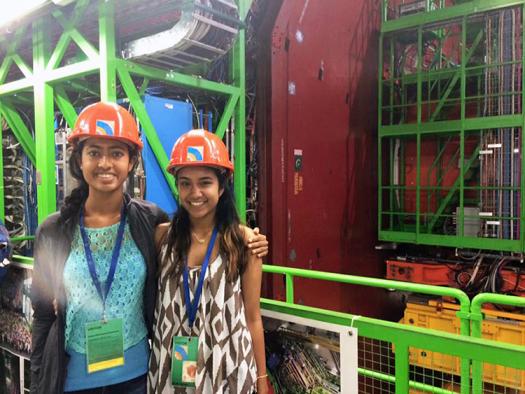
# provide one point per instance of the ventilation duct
(205, 30)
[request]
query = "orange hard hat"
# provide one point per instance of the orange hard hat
(106, 120)
(199, 148)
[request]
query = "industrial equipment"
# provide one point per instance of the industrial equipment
(171, 119)
(450, 126)
(446, 86)
(451, 166)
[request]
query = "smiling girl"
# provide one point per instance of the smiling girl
(208, 332)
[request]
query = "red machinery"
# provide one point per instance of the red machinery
(471, 276)
(319, 156)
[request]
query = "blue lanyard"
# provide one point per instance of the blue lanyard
(193, 306)
(103, 291)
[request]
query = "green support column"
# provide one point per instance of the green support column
(401, 368)
(465, 362)
(522, 177)
(238, 73)
(2, 207)
(44, 125)
(418, 136)
(379, 142)
(108, 63)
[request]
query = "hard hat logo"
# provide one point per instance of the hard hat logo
(199, 148)
(106, 120)
(105, 127)
(195, 153)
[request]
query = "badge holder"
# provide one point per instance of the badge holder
(104, 345)
(105, 338)
(184, 349)
(184, 361)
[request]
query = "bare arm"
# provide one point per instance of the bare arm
(251, 294)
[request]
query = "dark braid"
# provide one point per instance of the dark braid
(78, 196)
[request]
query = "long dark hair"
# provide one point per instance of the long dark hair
(76, 199)
(231, 238)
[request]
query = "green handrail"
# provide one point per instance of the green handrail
(23, 260)
(476, 316)
(404, 337)
(290, 273)
(463, 314)
(23, 238)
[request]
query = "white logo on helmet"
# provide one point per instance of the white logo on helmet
(195, 153)
(105, 127)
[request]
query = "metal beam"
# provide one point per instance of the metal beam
(460, 73)
(12, 56)
(22, 65)
(44, 125)
(20, 130)
(74, 70)
(108, 66)
(452, 125)
(226, 116)
(447, 13)
(238, 76)
(71, 32)
(147, 126)
(16, 86)
(2, 206)
(65, 106)
(176, 78)
(452, 190)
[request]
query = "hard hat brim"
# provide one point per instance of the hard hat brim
(76, 139)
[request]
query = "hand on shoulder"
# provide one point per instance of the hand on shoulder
(256, 242)
(161, 232)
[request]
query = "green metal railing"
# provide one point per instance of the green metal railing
(403, 337)
(468, 346)
(476, 316)
(472, 350)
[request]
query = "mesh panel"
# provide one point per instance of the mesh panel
(433, 369)
(499, 379)
(375, 357)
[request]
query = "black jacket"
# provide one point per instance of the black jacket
(52, 247)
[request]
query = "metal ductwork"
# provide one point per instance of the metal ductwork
(205, 30)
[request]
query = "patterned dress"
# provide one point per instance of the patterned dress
(226, 362)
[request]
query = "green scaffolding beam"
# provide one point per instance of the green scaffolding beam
(51, 78)
(412, 110)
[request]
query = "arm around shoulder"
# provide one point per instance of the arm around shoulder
(255, 241)
(161, 234)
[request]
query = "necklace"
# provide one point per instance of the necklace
(200, 240)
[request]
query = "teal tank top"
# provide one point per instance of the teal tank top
(125, 298)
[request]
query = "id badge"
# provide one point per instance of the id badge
(184, 361)
(104, 345)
